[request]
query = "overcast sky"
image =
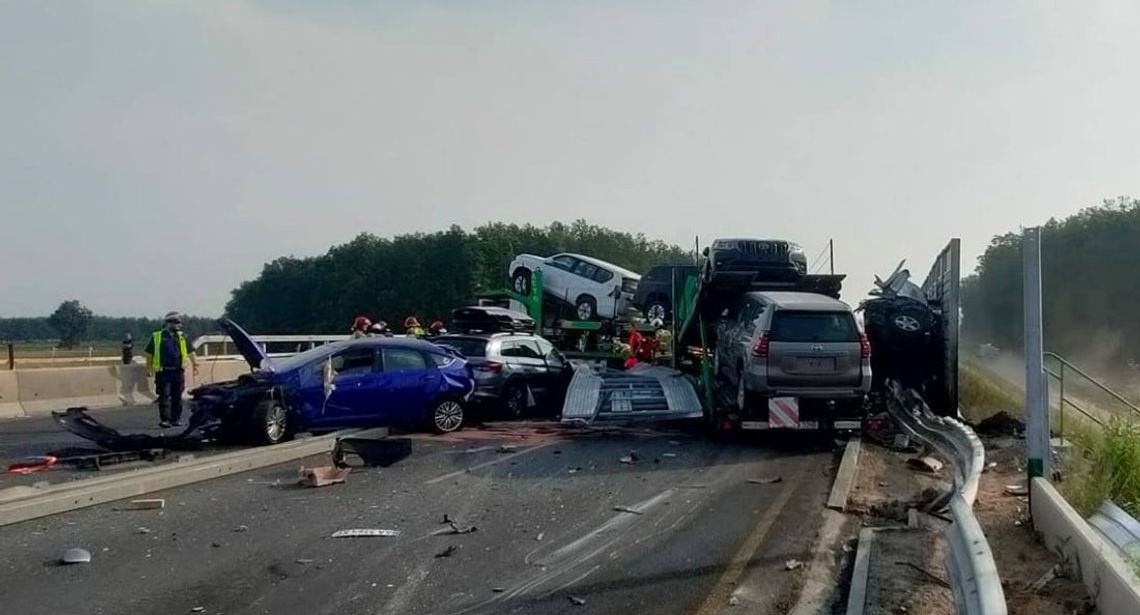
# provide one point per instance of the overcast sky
(155, 154)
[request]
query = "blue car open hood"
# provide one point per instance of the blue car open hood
(249, 349)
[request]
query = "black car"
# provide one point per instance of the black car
(654, 296)
(767, 260)
(490, 319)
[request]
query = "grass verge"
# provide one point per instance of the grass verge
(981, 395)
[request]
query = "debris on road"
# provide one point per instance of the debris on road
(33, 464)
(508, 448)
(769, 480)
(241, 528)
(1049, 575)
(303, 562)
(574, 470)
(145, 504)
(733, 601)
(365, 533)
(142, 530)
(668, 455)
(793, 564)
(539, 537)
(322, 476)
(448, 552)
(576, 601)
(924, 464)
(498, 590)
(627, 509)
(901, 442)
(454, 528)
(1016, 490)
(926, 573)
(627, 459)
(76, 556)
(1001, 424)
(198, 609)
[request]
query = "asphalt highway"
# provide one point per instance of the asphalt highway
(561, 525)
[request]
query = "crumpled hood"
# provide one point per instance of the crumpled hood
(248, 348)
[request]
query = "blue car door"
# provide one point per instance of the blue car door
(410, 383)
(358, 389)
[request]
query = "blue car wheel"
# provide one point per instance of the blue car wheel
(447, 415)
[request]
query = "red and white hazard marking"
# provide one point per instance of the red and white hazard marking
(783, 412)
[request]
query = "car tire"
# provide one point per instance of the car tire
(909, 319)
(446, 415)
(586, 308)
(271, 423)
(657, 307)
(514, 400)
(521, 281)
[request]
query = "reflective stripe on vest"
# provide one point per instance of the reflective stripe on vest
(156, 358)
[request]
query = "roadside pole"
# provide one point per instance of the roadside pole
(1036, 393)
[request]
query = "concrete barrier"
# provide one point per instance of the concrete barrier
(44, 390)
(1107, 577)
(36, 392)
(10, 396)
(20, 504)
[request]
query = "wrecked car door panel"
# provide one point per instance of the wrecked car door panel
(357, 388)
(410, 382)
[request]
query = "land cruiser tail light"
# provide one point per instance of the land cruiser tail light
(864, 346)
(760, 350)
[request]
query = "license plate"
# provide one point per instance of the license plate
(816, 365)
(848, 424)
(808, 425)
(754, 424)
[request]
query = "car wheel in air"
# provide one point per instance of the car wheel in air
(271, 423)
(586, 308)
(657, 310)
(514, 401)
(447, 416)
(520, 281)
(909, 319)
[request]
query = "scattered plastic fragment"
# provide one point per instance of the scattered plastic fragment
(925, 464)
(1016, 490)
(576, 601)
(733, 601)
(793, 564)
(766, 481)
(76, 556)
(241, 528)
(448, 552)
(627, 509)
(322, 476)
(365, 533)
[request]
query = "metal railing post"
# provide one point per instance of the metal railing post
(1061, 405)
(1036, 392)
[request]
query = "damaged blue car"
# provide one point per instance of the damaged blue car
(367, 382)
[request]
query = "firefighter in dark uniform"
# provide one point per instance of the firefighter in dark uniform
(166, 358)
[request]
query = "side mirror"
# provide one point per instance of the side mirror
(327, 374)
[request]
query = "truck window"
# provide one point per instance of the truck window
(792, 326)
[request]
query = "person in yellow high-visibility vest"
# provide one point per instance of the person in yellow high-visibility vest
(166, 358)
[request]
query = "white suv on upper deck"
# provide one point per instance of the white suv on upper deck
(595, 288)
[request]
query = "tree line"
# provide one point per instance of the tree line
(423, 274)
(73, 324)
(1090, 281)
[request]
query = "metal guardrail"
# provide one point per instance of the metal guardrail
(1120, 528)
(973, 574)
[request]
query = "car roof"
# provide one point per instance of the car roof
(736, 239)
(790, 300)
(597, 262)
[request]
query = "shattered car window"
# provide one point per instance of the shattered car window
(403, 360)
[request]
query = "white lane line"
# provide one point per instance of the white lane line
(485, 464)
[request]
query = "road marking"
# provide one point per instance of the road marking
(717, 599)
(485, 464)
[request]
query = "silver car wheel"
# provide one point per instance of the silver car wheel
(520, 285)
(907, 323)
(585, 310)
(656, 312)
(275, 423)
(448, 416)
